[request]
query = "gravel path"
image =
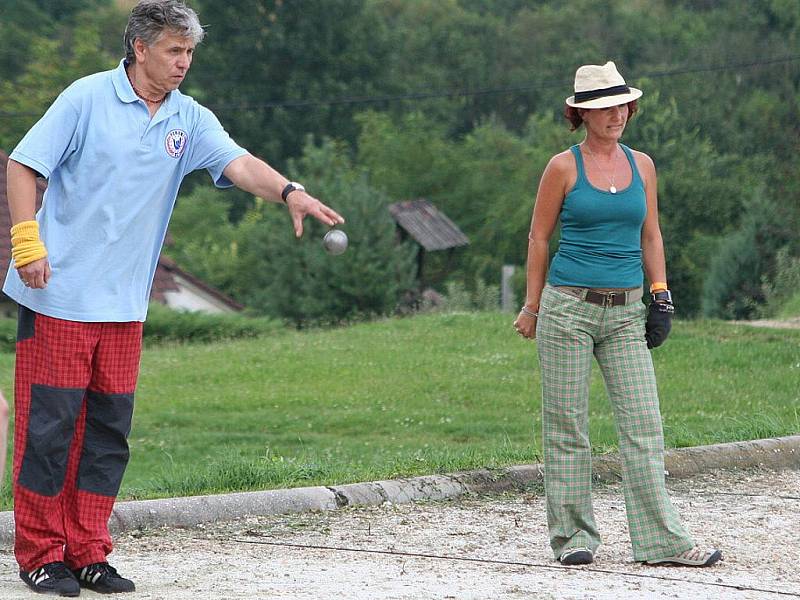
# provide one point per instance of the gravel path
(488, 548)
(793, 323)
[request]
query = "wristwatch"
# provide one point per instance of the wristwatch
(291, 187)
(662, 296)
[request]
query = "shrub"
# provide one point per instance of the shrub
(296, 280)
(166, 325)
(781, 288)
(733, 288)
(457, 298)
(8, 335)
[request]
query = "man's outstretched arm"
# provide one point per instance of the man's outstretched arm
(258, 178)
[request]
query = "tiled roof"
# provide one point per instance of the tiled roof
(427, 225)
(164, 280)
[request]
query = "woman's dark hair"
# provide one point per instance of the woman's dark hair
(573, 115)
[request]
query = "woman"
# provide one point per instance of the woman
(605, 197)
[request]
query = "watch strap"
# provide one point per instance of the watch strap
(662, 296)
(289, 188)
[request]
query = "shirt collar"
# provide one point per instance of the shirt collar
(122, 86)
(125, 93)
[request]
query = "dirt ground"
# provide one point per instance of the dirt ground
(793, 323)
(487, 548)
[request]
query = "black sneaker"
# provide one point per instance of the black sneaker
(576, 556)
(53, 578)
(103, 578)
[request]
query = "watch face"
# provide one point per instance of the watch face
(663, 296)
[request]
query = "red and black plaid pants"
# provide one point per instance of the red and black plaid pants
(73, 408)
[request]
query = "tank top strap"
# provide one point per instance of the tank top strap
(632, 161)
(576, 151)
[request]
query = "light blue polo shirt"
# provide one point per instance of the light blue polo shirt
(113, 176)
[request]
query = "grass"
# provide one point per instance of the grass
(399, 397)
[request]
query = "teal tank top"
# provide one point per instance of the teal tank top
(601, 233)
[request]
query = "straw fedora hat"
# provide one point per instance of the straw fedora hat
(600, 87)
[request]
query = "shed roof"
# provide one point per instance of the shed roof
(427, 225)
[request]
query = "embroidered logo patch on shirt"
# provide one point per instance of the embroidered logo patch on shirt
(176, 142)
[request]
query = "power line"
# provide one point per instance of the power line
(490, 91)
(424, 95)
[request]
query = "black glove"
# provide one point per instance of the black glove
(659, 319)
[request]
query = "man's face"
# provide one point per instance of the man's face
(166, 62)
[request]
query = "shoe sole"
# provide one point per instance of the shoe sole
(682, 562)
(580, 557)
(105, 590)
(53, 592)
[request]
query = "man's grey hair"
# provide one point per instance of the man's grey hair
(150, 19)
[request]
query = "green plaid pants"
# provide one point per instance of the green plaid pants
(569, 332)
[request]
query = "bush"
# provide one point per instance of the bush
(166, 325)
(296, 280)
(457, 298)
(734, 288)
(781, 289)
(8, 335)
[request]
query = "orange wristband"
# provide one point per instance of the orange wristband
(658, 286)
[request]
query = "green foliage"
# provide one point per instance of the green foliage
(296, 280)
(166, 325)
(781, 289)
(733, 288)
(8, 335)
(46, 60)
(459, 101)
(791, 308)
(259, 52)
(457, 298)
(203, 239)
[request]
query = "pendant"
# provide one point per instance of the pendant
(612, 189)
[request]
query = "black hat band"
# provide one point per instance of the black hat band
(617, 90)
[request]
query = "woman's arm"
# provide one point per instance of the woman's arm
(549, 199)
(652, 243)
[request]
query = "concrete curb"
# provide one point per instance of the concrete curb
(776, 453)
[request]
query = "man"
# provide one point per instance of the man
(114, 147)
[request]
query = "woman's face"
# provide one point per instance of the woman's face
(606, 123)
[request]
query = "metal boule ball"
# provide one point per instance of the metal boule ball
(335, 242)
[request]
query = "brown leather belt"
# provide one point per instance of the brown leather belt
(603, 298)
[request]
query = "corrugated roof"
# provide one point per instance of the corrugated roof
(162, 282)
(429, 227)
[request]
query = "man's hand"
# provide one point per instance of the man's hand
(253, 175)
(35, 275)
(302, 204)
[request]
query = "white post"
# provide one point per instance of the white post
(506, 292)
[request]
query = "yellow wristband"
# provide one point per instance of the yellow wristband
(658, 286)
(26, 247)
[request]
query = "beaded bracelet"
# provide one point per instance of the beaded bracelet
(529, 312)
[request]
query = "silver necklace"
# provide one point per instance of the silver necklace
(611, 188)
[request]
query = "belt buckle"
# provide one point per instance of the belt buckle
(609, 299)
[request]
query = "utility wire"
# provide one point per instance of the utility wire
(429, 94)
(514, 563)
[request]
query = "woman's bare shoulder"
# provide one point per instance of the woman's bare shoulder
(562, 163)
(643, 161)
